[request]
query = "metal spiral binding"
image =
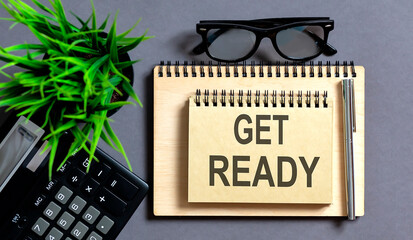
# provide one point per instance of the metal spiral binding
(257, 98)
(185, 68)
(269, 69)
(277, 69)
(274, 98)
(303, 69)
(328, 64)
(286, 73)
(337, 69)
(166, 70)
(177, 69)
(198, 97)
(282, 98)
(235, 69)
(201, 69)
(244, 69)
(259, 101)
(353, 69)
(223, 95)
(215, 98)
(320, 69)
(210, 73)
(317, 99)
(193, 69)
(219, 73)
(249, 98)
(308, 99)
(345, 69)
(252, 72)
(240, 96)
(300, 99)
(266, 98)
(311, 69)
(231, 98)
(160, 72)
(206, 97)
(291, 99)
(295, 69)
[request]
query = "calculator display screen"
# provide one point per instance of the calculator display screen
(16, 146)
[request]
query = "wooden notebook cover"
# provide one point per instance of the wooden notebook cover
(171, 95)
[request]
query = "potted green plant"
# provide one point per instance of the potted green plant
(74, 76)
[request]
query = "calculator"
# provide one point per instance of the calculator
(73, 205)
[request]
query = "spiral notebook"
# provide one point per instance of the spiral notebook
(260, 148)
(253, 140)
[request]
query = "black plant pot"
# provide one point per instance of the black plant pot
(128, 72)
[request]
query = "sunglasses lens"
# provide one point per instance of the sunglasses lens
(230, 44)
(301, 41)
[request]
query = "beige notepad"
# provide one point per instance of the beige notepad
(174, 84)
(260, 148)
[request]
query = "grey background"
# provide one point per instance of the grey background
(376, 34)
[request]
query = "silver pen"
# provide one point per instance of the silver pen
(349, 121)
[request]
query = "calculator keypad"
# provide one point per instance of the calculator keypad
(54, 234)
(94, 236)
(89, 187)
(110, 202)
(77, 205)
(63, 195)
(79, 230)
(104, 225)
(40, 226)
(77, 209)
(91, 215)
(65, 221)
(52, 210)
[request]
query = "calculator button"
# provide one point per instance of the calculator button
(54, 234)
(90, 187)
(77, 205)
(52, 210)
(51, 185)
(104, 225)
(110, 202)
(63, 195)
(40, 226)
(64, 168)
(91, 215)
(122, 187)
(68, 238)
(79, 230)
(65, 220)
(100, 171)
(39, 200)
(94, 236)
(75, 177)
(84, 164)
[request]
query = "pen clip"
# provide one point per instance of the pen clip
(352, 105)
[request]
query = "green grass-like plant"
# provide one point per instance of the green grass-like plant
(73, 85)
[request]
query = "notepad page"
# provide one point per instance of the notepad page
(259, 153)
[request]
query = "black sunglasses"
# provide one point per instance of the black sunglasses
(297, 39)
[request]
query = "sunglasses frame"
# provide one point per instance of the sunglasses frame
(263, 28)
